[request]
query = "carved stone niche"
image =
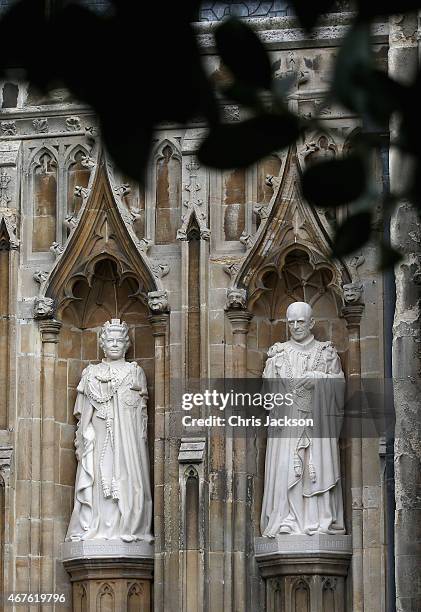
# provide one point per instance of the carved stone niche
(304, 573)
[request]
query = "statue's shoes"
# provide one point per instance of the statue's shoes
(127, 538)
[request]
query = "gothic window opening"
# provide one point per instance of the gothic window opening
(193, 311)
(234, 204)
(168, 196)
(45, 202)
(77, 176)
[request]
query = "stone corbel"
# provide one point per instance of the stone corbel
(353, 292)
(352, 313)
(50, 330)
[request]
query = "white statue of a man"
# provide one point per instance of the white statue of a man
(302, 491)
(112, 490)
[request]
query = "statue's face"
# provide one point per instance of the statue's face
(299, 322)
(114, 345)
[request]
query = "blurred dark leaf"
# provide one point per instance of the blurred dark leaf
(308, 11)
(389, 257)
(368, 9)
(282, 85)
(243, 53)
(241, 144)
(383, 94)
(17, 28)
(353, 68)
(129, 147)
(239, 92)
(352, 234)
(335, 182)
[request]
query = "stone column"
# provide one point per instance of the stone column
(240, 320)
(159, 320)
(49, 330)
(352, 314)
(406, 360)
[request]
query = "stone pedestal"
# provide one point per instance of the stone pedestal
(110, 575)
(304, 573)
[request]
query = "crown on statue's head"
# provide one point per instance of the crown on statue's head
(115, 325)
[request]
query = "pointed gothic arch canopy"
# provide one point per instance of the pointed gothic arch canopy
(103, 231)
(290, 225)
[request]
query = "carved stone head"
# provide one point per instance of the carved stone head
(300, 320)
(158, 301)
(114, 339)
(44, 308)
(352, 292)
(236, 298)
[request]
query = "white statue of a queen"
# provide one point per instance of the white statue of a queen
(112, 489)
(302, 490)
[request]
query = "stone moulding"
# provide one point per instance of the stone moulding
(303, 544)
(101, 549)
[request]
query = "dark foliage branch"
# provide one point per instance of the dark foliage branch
(103, 59)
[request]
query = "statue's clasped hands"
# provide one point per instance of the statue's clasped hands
(307, 381)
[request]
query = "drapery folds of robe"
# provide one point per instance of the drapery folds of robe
(112, 489)
(302, 490)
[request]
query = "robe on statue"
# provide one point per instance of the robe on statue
(112, 490)
(302, 491)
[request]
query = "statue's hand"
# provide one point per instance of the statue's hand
(307, 381)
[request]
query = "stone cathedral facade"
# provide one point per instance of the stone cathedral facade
(202, 265)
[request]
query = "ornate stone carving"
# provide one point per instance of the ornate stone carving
(4, 188)
(73, 124)
(40, 276)
(329, 583)
(8, 128)
(70, 221)
(236, 299)
(101, 238)
(8, 216)
(194, 206)
(81, 192)
(231, 112)
(88, 162)
(232, 269)
(113, 498)
(319, 150)
(160, 269)
(247, 239)
(158, 302)
(44, 308)
(352, 293)
(6, 463)
(144, 244)
(302, 490)
(41, 125)
(56, 249)
(353, 264)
